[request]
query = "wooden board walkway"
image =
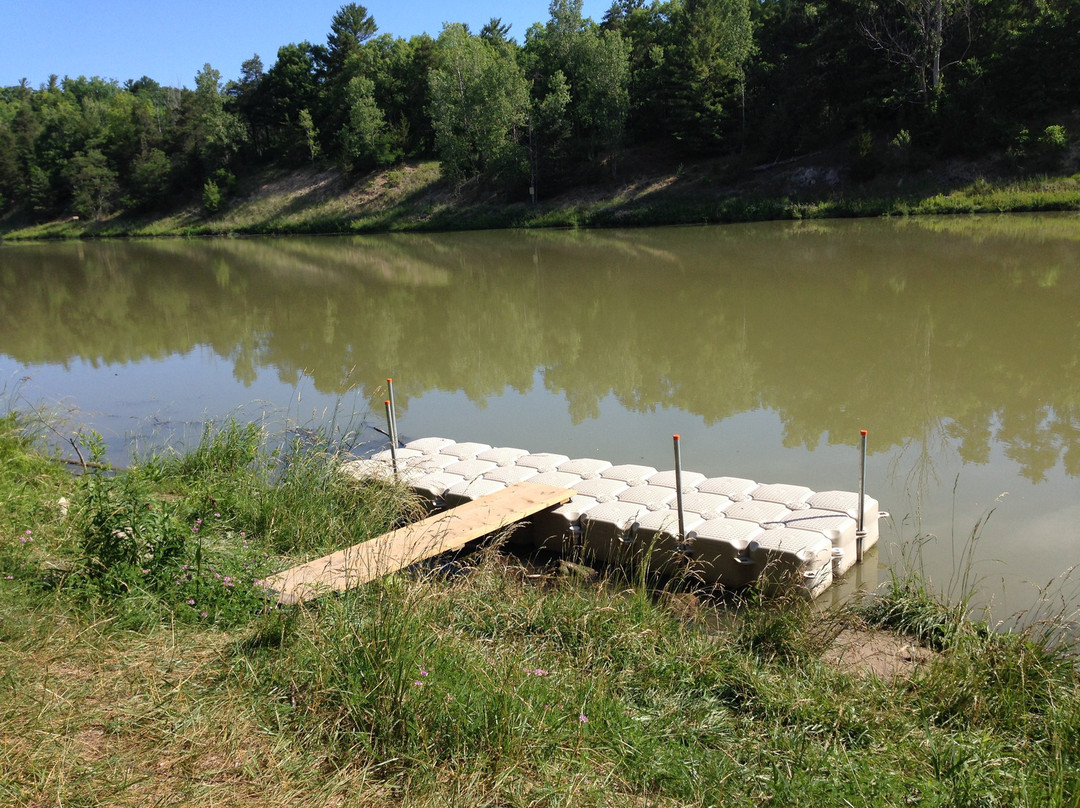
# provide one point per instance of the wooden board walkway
(443, 532)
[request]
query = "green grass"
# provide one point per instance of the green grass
(414, 198)
(481, 684)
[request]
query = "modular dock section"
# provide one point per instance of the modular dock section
(735, 532)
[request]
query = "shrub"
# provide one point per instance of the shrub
(1054, 138)
(211, 197)
(124, 527)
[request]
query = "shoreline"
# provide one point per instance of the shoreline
(413, 198)
(526, 685)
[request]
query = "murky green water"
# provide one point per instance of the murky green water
(954, 341)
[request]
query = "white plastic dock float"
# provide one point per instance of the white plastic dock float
(736, 532)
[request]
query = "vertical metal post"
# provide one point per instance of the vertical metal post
(393, 412)
(860, 532)
(678, 488)
(393, 441)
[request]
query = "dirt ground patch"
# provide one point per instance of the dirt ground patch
(871, 652)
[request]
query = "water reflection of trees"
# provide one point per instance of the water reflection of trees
(970, 337)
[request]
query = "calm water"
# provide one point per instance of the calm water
(955, 342)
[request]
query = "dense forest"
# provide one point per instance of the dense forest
(899, 83)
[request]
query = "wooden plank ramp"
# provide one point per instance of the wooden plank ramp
(440, 533)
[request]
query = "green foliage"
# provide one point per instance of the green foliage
(523, 682)
(496, 683)
(350, 27)
(486, 685)
(478, 105)
(310, 134)
(125, 528)
(93, 184)
(40, 191)
(311, 507)
(1055, 137)
(605, 98)
(709, 67)
(150, 177)
(581, 72)
(919, 36)
(366, 138)
(1050, 147)
(149, 563)
(290, 93)
(224, 452)
(550, 134)
(183, 536)
(755, 82)
(216, 133)
(909, 608)
(211, 197)
(291, 496)
(225, 179)
(30, 487)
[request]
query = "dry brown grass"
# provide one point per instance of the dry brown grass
(94, 717)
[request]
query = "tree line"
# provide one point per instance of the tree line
(758, 81)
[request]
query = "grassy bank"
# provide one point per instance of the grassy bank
(414, 197)
(139, 667)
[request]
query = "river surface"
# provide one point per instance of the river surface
(767, 347)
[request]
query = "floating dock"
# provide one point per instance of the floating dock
(731, 531)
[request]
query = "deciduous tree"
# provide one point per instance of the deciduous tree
(478, 107)
(217, 133)
(93, 184)
(365, 137)
(912, 34)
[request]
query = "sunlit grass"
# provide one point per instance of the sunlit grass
(482, 683)
(414, 197)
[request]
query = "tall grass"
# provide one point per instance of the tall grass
(495, 685)
(521, 688)
(184, 536)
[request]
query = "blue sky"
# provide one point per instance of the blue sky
(127, 39)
